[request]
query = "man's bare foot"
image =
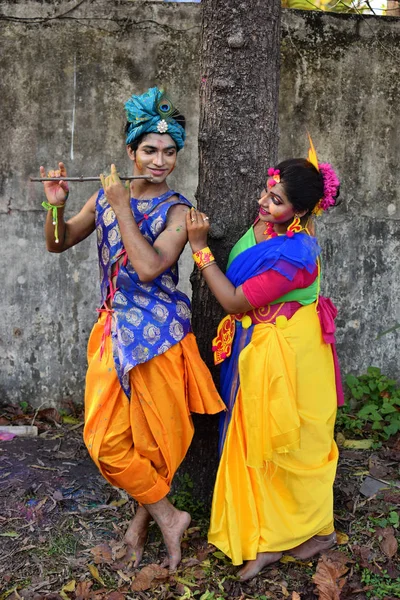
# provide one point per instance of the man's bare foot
(313, 546)
(172, 523)
(136, 534)
(172, 537)
(253, 567)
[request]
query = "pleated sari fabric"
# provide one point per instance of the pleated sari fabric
(265, 500)
(274, 486)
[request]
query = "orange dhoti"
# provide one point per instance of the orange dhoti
(138, 444)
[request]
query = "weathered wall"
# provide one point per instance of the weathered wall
(63, 82)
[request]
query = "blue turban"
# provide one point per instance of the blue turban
(152, 112)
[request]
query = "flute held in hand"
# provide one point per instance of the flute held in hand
(82, 178)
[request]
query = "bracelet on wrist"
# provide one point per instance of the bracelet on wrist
(213, 262)
(203, 258)
(54, 213)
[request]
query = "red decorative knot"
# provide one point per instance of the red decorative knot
(145, 217)
(269, 231)
(290, 233)
(223, 355)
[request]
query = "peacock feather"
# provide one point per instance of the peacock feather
(165, 108)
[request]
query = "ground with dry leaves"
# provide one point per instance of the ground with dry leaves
(62, 526)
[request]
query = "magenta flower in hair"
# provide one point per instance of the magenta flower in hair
(331, 185)
(274, 177)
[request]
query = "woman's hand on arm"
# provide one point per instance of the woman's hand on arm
(147, 260)
(232, 299)
(75, 229)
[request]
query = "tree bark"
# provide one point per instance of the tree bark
(238, 141)
(238, 134)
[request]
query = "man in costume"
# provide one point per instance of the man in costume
(145, 374)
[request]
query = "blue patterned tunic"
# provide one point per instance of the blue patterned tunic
(147, 318)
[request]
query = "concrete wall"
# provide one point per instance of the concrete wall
(64, 75)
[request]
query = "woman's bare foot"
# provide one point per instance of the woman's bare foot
(313, 546)
(173, 523)
(136, 534)
(253, 567)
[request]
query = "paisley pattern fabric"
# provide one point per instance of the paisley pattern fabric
(147, 318)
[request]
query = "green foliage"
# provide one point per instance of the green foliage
(392, 519)
(63, 545)
(24, 406)
(380, 585)
(340, 6)
(372, 407)
(183, 498)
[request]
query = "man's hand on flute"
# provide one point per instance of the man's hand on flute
(56, 191)
(118, 195)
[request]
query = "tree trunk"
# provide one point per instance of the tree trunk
(238, 135)
(238, 141)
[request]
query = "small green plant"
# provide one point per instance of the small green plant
(24, 406)
(392, 519)
(380, 585)
(63, 545)
(183, 498)
(211, 596)
(372, 405)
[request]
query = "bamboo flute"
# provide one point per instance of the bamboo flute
(82, 178)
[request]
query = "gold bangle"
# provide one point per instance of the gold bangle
(207, 265)
(203, 257)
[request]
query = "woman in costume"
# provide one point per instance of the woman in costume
(279, 375)
(145, 374)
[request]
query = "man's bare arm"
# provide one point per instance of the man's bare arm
(147, 260)
(72, 231)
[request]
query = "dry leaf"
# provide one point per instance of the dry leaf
(341, 538)
(148, 577)
(68, 587)
(389, 544)
(329, 578)
(83, 590)
(123, 576)
(358, 444)
(340, 439)
(118, 503)
(102, 554)
(295, 596)
(118, 550)
(199, 573)
(190, 562)
(284, 591)
(115, 596)
(202, 553)
(49, 414)
(287, 558)
(43, 468)
(95, 574)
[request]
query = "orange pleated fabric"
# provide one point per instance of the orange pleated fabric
(138, 444)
